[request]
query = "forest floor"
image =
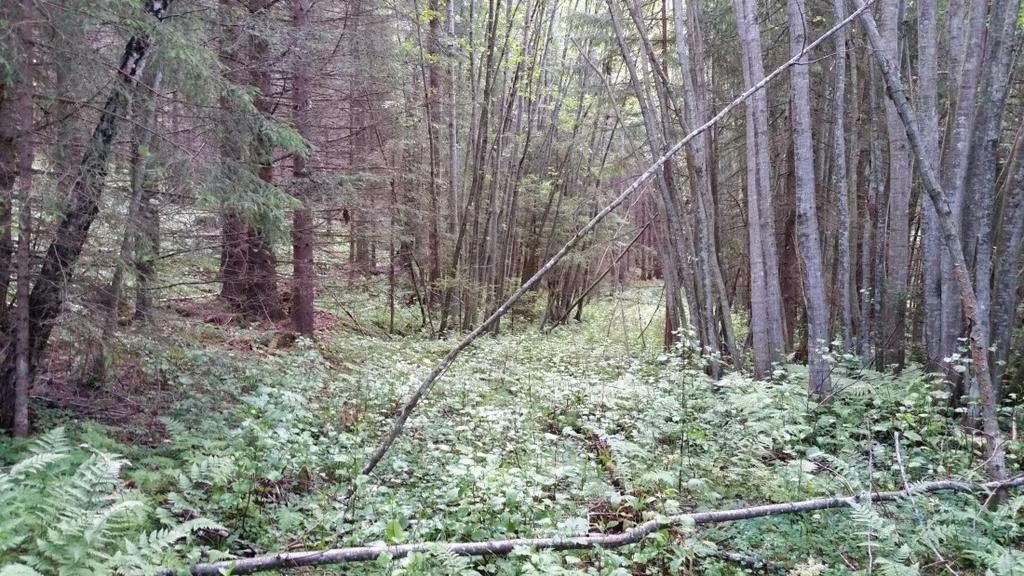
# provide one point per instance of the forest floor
(590, 427)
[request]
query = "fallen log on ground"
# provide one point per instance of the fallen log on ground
(502, 547)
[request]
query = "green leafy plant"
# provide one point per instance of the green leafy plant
(63, 511)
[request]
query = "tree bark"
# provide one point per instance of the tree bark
(303, 268)
(928, 113)
(820, 382)
(897, 242)
(955, 153)
(842, 187)
(766, 317)
(1007, 266)
(26, 155)
(8, 176)
(983, 166)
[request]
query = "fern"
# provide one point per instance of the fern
(59, 518)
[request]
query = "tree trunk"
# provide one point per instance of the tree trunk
(674, 233)
(766, 317)
(698, 110)
(820, 382)
(928, 113)
(303, 270)
(841, 182)
(1007, 266)
(98, 362)
(955, 154)
(983, 166)
(262, 298)
(897, 255)
(26, 155)
(8, 176)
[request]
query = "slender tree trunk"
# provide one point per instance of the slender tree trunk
(897, 256)
(477, 165)
(871, 243)
(928, 113)
(303, 269)
(1007, 265)
(841, 182)
(806, 208)
(963, 87)
(674, 234)
(98, 362)
(26, 156)
(698, 111)
(8, 176)
(766, 317)
(983, 168)
(145, 251)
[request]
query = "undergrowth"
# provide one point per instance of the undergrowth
(590, 427)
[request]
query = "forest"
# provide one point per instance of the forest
(512, 287)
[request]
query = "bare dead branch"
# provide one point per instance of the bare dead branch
(502, 547)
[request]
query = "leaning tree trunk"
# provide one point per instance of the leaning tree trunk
(77, 215)
(668, 202)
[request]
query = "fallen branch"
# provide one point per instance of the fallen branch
(501, 547)
(751, 561)
(442, 366)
